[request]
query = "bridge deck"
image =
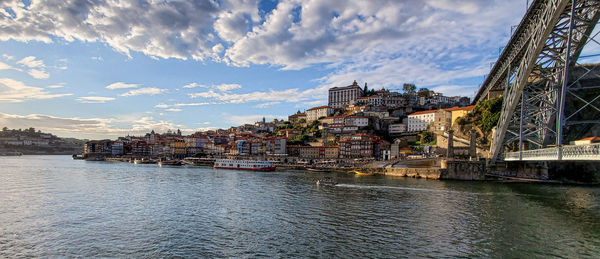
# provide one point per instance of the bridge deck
(589, 152)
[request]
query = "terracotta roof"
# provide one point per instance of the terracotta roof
(318, 107)
(365, 97)
(422, 112)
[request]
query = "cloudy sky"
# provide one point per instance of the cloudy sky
(103, 68)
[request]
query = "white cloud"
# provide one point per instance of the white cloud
(173, 110)
(38, 74)
(382, 40)
(193, 85)
(193, 104)
(7, 57)
(145, 91)
(121, 85)
(4, 66)
(288, 95)
(31, 62)
(99, 58)
(61, 85)
(165, 106)
(14, 91)
(221, 87)
(227, 87)
(265, 105)
(94, 99)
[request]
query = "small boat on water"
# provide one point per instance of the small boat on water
(169, 163)
(252, 165)
(327, 182)
(361, 172)
(144, 161)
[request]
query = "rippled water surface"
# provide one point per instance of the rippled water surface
(52, 206)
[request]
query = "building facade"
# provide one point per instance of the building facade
(344, 96)
(314, 152)
(418, 121)
(315, 113)
(359, 146)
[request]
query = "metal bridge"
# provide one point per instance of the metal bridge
(548, 94)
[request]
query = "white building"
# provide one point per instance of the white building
(358, 121)
(419, 121)
(315, 113)
(343, 96)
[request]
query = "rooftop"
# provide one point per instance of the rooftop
(318, 108)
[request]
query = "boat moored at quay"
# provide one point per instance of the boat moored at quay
(252, 165)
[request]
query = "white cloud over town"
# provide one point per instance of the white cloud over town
(121, 85)
(144, 91)
(14, 91)
(355, 38)
(31, 62)
(95, 99)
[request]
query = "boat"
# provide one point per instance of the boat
(327, 182)
(144, 161)
(252, 165)
(361, 173)
(9, 153)
(169, 162)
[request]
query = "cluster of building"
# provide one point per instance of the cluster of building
(352, 125)
(30, 141)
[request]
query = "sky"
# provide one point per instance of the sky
(108, 68)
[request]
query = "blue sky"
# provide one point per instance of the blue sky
(109, 68)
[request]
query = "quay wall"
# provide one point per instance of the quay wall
(427, 173)
(451, 170)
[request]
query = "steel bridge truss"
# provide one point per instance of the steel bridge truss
(535, 71)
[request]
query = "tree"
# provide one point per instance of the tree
(409, 88)
(424, 92)
(365, 90)
(425, 137)
(5, 129)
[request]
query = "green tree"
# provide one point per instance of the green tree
(5, 129)
(365, 90)
(425, 137)
(409, 88)
(424, 92)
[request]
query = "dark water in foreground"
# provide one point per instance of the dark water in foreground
(53, 206)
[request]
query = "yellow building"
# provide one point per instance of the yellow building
(459, 112)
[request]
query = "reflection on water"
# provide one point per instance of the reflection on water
(52, 206)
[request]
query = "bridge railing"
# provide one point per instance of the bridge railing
(569, 152)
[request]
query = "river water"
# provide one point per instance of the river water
(52, 206)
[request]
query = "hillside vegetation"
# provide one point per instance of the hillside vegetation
(483, 119)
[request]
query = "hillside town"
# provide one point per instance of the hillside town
(356, 126)
(32, 142)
